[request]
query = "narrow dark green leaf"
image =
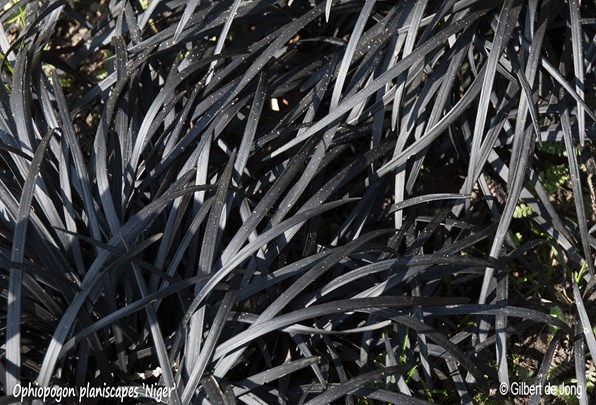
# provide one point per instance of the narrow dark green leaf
(578, 64)
(264, 377)
(584, 319)
(577, 191)
(424, 199)
(331, 308)
(540, 379)
(349, 53)
(355, 383)
(14, 301)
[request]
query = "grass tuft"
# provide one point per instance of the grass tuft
(309, 202)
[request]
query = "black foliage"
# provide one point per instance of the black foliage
(294, 201)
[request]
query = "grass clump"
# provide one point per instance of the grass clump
(297, 202)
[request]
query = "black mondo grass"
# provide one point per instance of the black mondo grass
(360, 202)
